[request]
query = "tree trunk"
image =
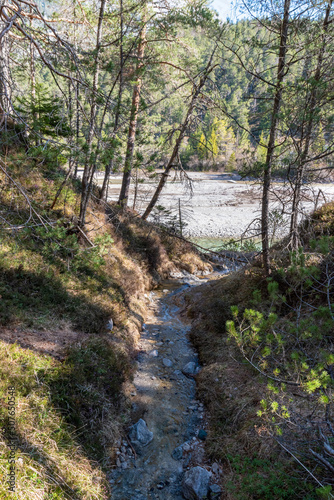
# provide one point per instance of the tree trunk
(271, 142)
(88, 174)
(77, 130)
(124, 194)
(294, 236)
(6, 107)
(104, 188)
(77, 107)
(174, 156)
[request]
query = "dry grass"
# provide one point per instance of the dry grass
(50, 462)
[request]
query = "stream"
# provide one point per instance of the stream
(169, 408)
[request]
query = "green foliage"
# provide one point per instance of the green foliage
(325, 492)
(44, 113)
(231, 164)
(61, 247)
(53, 458)
(262, 479)
(247, 245)
(287, 337)
(45, 263)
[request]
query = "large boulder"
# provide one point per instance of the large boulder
(195, 484)
(139, 434)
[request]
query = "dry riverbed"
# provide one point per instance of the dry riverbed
(220, 205)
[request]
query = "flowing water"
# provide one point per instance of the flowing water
(171, 411)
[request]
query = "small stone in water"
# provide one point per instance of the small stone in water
(202, 434)
(189, 370)
(178, 453)
(154, 353)
(215, 468)
(167, 362)
(186, 447)
(215, 491)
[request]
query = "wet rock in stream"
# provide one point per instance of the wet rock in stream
(215, 492)
(190, 369)
(195, 485)
(167, 362)
(139, 434)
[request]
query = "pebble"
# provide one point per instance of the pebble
(186, 447)
(215, 491)
(215, 468)
(196, 483)
(189, 370)
(202, 434)
(178, 453)
(154, 353)
(167, 362)
(139, 434)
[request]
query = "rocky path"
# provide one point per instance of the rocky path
(161, 458)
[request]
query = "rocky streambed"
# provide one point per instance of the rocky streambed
(163, 456)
